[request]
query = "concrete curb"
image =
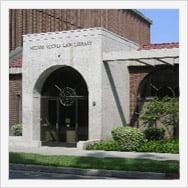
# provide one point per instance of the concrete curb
(95, 153)
(90, 172)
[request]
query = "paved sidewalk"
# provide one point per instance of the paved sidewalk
(95, 153)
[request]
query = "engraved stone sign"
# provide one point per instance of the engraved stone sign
(61, 45)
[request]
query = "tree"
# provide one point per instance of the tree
(165, 110)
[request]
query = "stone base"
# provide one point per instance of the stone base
(83, 144)
(19, 141)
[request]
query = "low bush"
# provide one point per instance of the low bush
(154, 133)
(16, 129)
(161, 146)
(132, 139)
(108, 145)
(128, 138)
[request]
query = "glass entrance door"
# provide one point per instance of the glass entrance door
(82, 119)
(49, 119)
(65, 124)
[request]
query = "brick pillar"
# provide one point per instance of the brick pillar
(136, 76)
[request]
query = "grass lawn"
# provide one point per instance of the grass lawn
(127, 164)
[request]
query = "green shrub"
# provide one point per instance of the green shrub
(165, 110)
(108, 145)
(154, 133)
(128, 138)
(160, 146)
(16, 129)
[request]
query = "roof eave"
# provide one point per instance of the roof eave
(142, 16)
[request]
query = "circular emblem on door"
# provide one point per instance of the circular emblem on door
(66, 96)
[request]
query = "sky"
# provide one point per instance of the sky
(165, 24)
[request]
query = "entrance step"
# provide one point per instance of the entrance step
(59, 144)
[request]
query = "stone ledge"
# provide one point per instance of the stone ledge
(18, 141)
(15, 70)
(83, 144)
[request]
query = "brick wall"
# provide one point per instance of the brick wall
(15, 89)
(123, 22)
(137, 74)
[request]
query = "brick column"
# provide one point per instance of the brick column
(136, 75)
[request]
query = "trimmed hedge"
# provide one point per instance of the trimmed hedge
(133, 139)
(108, 145)
(154, 133)
(128, 138)
(160, 146)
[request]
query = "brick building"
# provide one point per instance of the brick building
(128, 23)
(123, 45)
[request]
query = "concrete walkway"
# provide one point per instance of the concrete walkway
(95, 153)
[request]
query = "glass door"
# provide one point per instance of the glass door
(49, 125)
(67, 123)
(82, 118)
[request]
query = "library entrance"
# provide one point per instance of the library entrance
(64, 108)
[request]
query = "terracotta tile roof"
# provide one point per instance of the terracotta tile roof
(159, 46)
(15, 58)
(16, 62)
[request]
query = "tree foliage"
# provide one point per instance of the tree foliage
(165, 110)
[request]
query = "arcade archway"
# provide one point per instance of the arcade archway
(160, 83)
(64, 108)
